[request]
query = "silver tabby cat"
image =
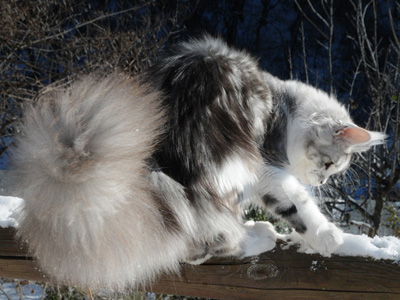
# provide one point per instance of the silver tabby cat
(125, 178)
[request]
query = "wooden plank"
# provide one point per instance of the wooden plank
(9, 246)
(239, 293)
(282, 274)
(21, 268)
(288, 274)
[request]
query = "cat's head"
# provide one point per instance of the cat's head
(327, 149)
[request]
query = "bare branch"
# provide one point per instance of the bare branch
(311, 21)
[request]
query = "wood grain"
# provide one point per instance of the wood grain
(278, 274)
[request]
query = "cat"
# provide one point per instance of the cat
(125, 178)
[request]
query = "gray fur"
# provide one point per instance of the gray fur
(122, 184)
(90, 216)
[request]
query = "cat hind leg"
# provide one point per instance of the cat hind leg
(260, 237)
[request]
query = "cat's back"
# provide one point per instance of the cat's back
(311, 102)
(216, 103)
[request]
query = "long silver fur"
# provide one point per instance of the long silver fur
(107, 208)
(89, 216)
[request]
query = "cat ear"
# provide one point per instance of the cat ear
(353, 135)
(359, 139)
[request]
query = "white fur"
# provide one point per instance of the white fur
(203, 46)
(260, 237)
(89, 216)
(96, 216)
(318, 116)
(315, 109)
(235, 174)
(315, 152)
(321, 235)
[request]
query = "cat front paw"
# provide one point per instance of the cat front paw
(326, 239)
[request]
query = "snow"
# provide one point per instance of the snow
(318, 265)
(377, 247)
(261, 237)
(387, 247)
(20, 290)
(7, 206)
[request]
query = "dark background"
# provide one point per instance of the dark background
(349, 48)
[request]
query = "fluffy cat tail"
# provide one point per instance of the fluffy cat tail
(80, 165)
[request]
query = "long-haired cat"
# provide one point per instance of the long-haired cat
(123, 179)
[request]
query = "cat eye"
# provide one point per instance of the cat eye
(327, 165)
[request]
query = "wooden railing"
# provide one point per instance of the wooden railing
(278, 274)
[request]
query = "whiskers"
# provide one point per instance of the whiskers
(350, 179)
(322, 191)
(332, 195)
